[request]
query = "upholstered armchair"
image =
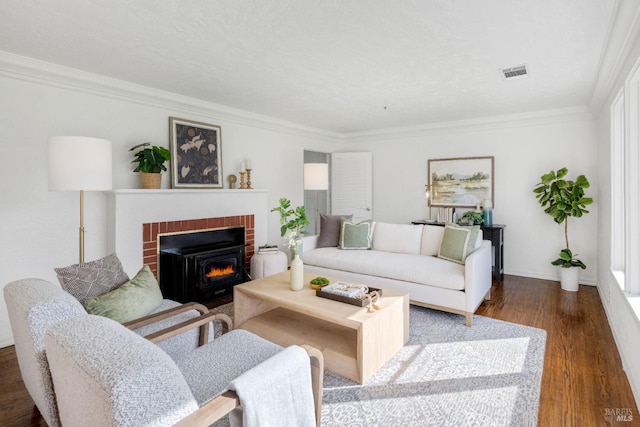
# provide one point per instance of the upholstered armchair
(106, 375)
(34, 305)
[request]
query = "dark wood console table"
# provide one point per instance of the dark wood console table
(494, 233)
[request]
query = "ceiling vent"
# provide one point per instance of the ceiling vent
(517, 72)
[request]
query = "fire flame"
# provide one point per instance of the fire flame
(217, 272)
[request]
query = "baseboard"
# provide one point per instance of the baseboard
(583, 281)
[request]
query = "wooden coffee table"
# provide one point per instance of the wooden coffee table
(355, 343)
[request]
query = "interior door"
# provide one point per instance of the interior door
(352, 185)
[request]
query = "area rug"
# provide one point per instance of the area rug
(446, 375)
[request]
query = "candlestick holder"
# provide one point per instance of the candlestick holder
(248, 179)
(242, 187)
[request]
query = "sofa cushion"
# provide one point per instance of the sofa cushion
(397, 238)
(431, 239)
(421, 269)
(330, 230)
(132, 300)
(93, 278)
(458, 242)
(355, 236)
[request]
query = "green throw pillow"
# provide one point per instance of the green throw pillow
(132, 300)
(355, 236)
(458, 242)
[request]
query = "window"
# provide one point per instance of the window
(632, 181)
(625, 184)
(617, 189)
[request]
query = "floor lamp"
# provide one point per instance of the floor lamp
(78, 163)
(316, 177)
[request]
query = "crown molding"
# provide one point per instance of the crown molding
(623, 36)
(53, 75)
(536, 118)
(49, 74)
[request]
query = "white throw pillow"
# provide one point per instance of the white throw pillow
(397, 238)
(431, 239)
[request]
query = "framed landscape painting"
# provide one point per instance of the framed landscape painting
(196, 154)
(460, 182)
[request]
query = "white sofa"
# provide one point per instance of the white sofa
(404, 257)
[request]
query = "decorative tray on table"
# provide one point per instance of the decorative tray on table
(350, 293)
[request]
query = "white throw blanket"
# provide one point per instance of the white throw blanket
(277, 392)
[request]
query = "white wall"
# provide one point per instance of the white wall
(39, 228)
(524, 147)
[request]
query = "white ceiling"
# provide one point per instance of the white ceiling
(329, 64)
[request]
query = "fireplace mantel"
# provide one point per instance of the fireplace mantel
(129, 209)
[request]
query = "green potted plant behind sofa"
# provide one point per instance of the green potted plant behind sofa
(563, 199)
(150, 160)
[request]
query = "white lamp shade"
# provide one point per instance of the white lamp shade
(79, 163)
(316, 176)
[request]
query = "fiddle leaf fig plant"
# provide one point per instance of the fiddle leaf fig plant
(562, 199)
(567, 260)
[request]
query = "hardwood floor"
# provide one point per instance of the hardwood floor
(582, 377)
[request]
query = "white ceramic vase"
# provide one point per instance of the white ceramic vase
(569, 278)
(297, 273)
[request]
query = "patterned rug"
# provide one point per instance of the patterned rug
(446, 375)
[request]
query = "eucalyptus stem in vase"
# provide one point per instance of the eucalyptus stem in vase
(292, 220)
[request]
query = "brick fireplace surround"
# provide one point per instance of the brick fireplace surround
(136, 217)
(151, 231)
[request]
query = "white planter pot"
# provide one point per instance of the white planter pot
(569, 278)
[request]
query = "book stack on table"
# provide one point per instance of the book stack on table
(268, 249)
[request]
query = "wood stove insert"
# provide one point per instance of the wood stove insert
(202, 266)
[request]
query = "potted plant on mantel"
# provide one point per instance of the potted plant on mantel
(150, 160)
(563, 199)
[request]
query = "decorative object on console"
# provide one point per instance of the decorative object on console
(487, 213)
(196, 150)
(471, 218)
(563, 199)
(150, 160)
(316, 178)
(460, 182)
(292, 220)
(78, 163)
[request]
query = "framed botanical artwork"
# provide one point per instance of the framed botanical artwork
(460, 182)
(196, 154)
